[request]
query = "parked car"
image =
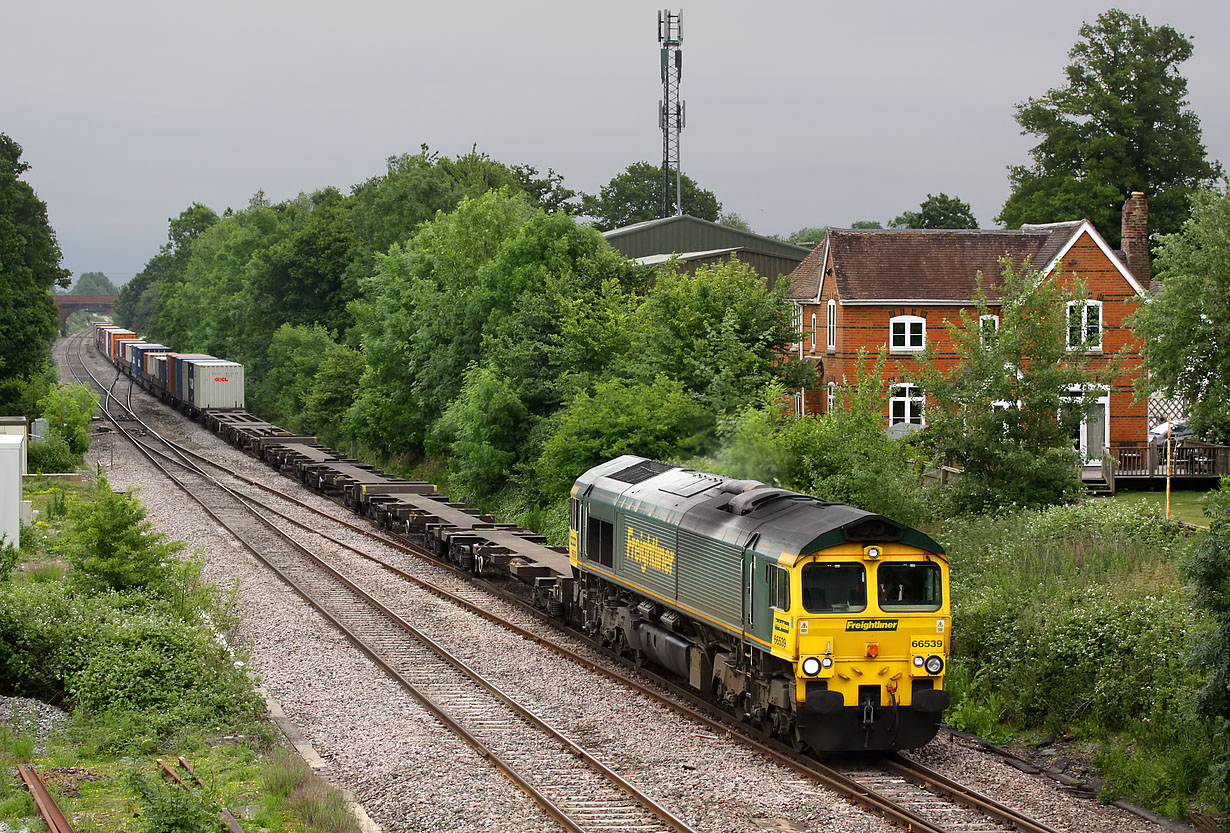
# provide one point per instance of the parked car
(1177, 430)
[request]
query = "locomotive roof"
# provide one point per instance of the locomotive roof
(739, 513)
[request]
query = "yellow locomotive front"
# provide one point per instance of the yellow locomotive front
(869, 629)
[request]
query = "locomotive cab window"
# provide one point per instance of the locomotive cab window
(778, 581)
(831, 587)
(909, 586)
(600, 542)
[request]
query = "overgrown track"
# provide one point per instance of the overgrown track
(906, 793)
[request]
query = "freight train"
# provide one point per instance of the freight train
(827, 626)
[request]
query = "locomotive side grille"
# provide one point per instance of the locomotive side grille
(643, 470)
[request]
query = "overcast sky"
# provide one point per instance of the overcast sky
(803, 114)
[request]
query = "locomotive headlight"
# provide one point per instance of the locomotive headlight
(811, 666)
(934, 664)
(918, 660)
(827, 662)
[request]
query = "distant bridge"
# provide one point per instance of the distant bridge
(66, 305)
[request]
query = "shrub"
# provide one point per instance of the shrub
(67, 409)
(51, 455)
(112, 546)
(170, 808)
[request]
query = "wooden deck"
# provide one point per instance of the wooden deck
(1138, 465)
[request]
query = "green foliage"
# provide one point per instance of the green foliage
(731, 219)
(484, 426)
(1120, 124)
(1075, 620)
(111, 545)
(656, 419)
(51, 455)
(809, 235)
(1003, 413)
(939, 211)
(721, 332)
(869, 224)
(169, 808)
(29, 269)
(1208, 568)
(635, 195)
(93, 283)
(1184, 325)
(843, 456)
(67, 409)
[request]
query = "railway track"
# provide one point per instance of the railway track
(566, 780)
(906, 793)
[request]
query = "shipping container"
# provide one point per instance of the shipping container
(139, 355)
(215, 384)
(177, 377)
(156, 370)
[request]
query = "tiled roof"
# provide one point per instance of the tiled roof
(925, 264)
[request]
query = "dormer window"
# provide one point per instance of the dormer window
(907, 334)
(1085, 325)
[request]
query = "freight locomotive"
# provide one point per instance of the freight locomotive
(827, 626)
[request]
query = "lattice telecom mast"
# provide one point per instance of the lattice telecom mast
(671, 111)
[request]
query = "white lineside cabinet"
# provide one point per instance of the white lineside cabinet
(12, 448)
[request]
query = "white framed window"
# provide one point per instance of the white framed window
(832, 324)
(831, 400)
(907, 334)
(813, 331)
(798, 405)
(796, 323)
(905, 405)
(988, 328)
(1085, 325)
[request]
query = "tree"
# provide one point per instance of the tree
(939, 211)
(1003, 413)
(1121, 124)
(732, 219)
(721, 332)
(635, 196)
(93, 283)
(112, 545)
(1185, 325)
(67, 409)
(868, 224)
(809, 236)
(29, 268)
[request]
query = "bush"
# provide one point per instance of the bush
(112, 546)
(67, 409)
(170, 808)
(51, 455)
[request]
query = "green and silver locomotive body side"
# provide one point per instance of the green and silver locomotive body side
(758, 598)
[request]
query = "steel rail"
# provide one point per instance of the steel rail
(544, 801)
(56, 821)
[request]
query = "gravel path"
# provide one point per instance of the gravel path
(412, 774)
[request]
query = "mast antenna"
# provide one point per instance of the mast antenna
(672, 113)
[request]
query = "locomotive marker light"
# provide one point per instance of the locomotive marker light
(918, 660)
(811, 666)
(873, 649)
(827, 662)
(934, 664)
(872, 553)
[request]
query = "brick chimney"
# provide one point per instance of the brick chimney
(1136, 237)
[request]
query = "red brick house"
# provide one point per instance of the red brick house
(898, 289)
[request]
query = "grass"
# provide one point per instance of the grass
(1184, 506)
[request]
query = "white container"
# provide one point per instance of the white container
(216, 384)
(16, 427)
(12, 450)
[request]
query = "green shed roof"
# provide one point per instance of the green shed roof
(683, 233)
